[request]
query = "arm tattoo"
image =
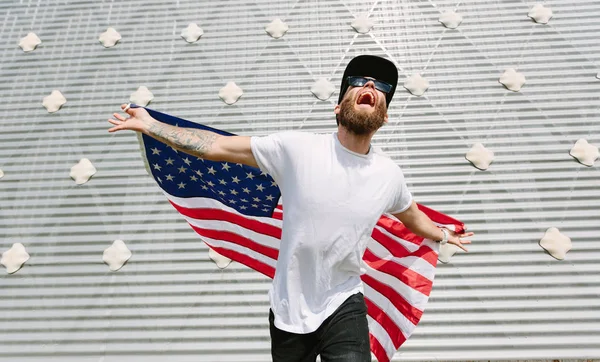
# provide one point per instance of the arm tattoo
(192, 141)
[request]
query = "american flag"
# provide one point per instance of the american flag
(235, 210)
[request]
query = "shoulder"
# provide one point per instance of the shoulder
(383, 158)
(387, 163)
(302, 139)
(289, 135)
(286, 141)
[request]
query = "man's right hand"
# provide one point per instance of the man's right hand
(139, 120)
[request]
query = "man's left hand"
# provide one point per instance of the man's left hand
(458, 239)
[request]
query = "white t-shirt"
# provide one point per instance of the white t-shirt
(332, 199)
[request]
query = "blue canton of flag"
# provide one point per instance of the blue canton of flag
(246, 189)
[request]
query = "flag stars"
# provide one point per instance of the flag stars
(156, 166)
(265, 210)
(255, 206)
(246, 190)
(199, 173)
(211, 170)
(223, 182)
(158, 179)
(155, 151)
(243, 207)
(239, 164)
(250, 175)
(204, 187)
(169, 177)
(233, 192)
(169, 161)
(270, 198)
(222, 193)
(232, 201)
(243, 200)
(210, 183)
(260, 187)
(182, 169)
(181, 185)
(235, 179)
(194, 178)
(264, 173)
(226, 166)
(273, 184)
(187, 161)
(256, 199)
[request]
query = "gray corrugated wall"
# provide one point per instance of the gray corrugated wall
(506, 299)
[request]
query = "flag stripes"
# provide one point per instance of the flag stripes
(400, 265)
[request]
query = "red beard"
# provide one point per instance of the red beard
(361, 122)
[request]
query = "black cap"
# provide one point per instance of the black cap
(374, 67)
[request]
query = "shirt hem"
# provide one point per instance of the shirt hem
(331, 308)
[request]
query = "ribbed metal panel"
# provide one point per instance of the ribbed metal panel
(506, 299)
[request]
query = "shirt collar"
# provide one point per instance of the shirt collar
(340, 145)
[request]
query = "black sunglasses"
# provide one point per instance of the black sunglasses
(361, 81)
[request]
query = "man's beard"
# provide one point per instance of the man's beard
(360, 123)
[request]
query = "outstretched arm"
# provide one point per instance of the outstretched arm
(421, 224)
(204, 144)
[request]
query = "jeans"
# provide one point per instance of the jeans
(343, 337)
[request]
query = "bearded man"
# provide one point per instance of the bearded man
(335, 187)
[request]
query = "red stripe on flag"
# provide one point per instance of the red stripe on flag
(398, 229)
(378, 349)
(277, 215)
(395, 248)
(411, 313)
(237, 239)
(409, 277)
(222, 215)
(426, 253)
(399, 251)
(391, 328)
(246, 260)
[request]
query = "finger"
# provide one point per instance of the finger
(468, 234)
(461, 246)
(127, 109)
(115, 128)
(465, 241)
(119, 117)
(115, 122)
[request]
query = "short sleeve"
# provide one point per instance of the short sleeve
(402, 197)
(272, 153)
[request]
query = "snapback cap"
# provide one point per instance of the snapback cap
(374, 67)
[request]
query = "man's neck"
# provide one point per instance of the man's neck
(355, 143)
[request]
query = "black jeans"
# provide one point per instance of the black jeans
(343, 337)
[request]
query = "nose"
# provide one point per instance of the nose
(370, 84)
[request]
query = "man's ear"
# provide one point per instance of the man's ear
(336, 110)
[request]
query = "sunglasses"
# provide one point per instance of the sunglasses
(361, 81)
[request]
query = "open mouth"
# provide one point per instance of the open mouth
(366, 98)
